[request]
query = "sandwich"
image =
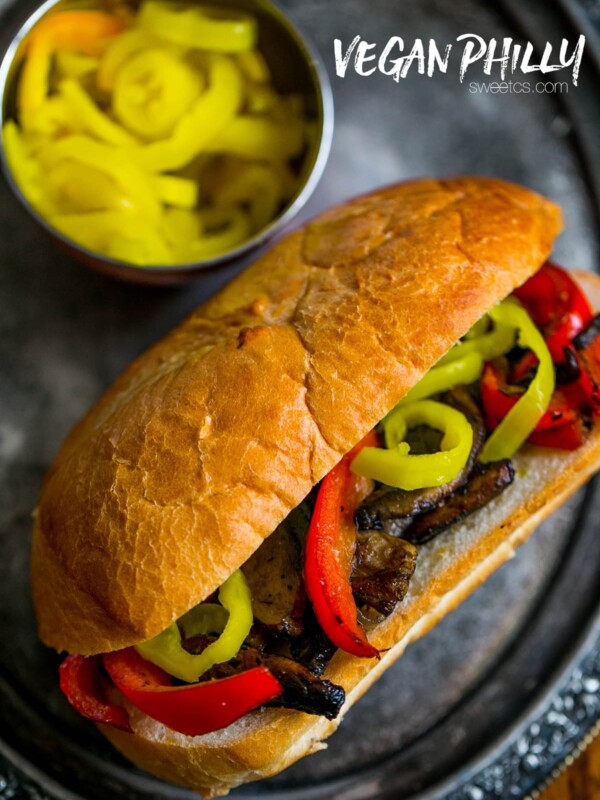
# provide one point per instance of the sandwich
(312, 470)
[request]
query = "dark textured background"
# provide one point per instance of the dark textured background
(473, 686)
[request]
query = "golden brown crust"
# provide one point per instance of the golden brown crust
(208, 440)
(448, 570)
(269, 742)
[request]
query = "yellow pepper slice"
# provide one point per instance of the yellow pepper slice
(254, 66)
(153, 91)
(81, 31)
(261, 99)
(118, 234)
(77, 188)
(203, 619)
(260, 138)
(149, 249)
(175, 191)
(491, 344)
(75, 65)
(466, 369)
(236, 229)
(396, 467)
(33, 86)
(201, 27)
(481, 326)
(50, 120)
(129, 176)
(256, 185)
(209, 117)
(520, 421)
(24, 168)
(119, 52)
(180, 227)
(86, 115)
(165, 650)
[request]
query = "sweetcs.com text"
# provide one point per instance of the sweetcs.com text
(519, 87)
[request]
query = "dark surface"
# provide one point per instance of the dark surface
(484, 683)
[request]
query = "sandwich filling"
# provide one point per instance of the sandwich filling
(339, 564)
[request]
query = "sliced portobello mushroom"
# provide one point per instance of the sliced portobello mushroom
(486, 483)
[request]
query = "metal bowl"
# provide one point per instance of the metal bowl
(295, 67)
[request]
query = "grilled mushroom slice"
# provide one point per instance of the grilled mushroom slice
(485, 483)
(312, 649)
(302, 690)
(383, 567)
(274, 575)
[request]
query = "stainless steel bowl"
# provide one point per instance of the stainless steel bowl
(295, 67)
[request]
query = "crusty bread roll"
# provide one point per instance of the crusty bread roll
(448, 569)
(213, 436)
(208, 440)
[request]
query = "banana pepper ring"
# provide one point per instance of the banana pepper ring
(123, 235)
(76, 188)
(176, 191)
(465, 369)
(236, 229)
(165, 650)
(75, 65)
(202, 28)
(24, 169)
(256, 185)
(260, 138)
(525, 415)
(203, 619)
(50, 120)
(86, 115)
(119, 51)
(208, 116)
(114, 163)
(396, 467)
(152, 92)
(83, 32)
(490, 345)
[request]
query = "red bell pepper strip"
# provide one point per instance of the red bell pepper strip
(195, 709)
(523, 367)
(582, 392)
(557, 306)
(560, 427)
(561, 310)
(564, 437)
(588, 359)
(326, 579)
(82, 685)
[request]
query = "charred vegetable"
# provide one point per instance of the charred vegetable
(274, 575)
(484, 484)
(313, 649)
(302, 690)
(383, 567)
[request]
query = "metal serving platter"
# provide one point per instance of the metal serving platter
(491, 702)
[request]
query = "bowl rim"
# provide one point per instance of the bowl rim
(321, 86)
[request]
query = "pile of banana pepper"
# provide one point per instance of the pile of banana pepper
(155, 137)
(533, 363)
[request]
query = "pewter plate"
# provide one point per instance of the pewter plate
(491, 701)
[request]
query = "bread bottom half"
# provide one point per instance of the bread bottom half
(448, 569)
